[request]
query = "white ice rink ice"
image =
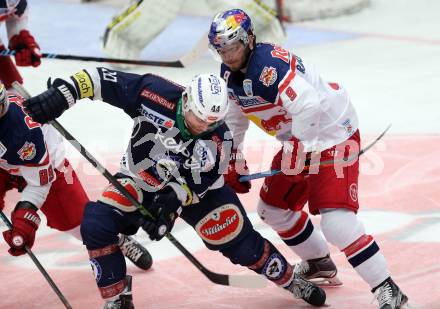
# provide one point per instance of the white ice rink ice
(387, 56)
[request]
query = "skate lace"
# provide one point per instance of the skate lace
(130, 249)
(302, 289)
(113, 305)
(302, 268)
(384, 295)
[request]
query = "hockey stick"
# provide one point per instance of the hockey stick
(246, 281)
(323, 163)
(185, 61)
(39, 266)
(172, 64)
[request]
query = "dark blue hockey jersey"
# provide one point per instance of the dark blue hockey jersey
(161, 148)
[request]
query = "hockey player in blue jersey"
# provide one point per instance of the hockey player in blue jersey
(32, 160)
(288, 99)
(173, 166)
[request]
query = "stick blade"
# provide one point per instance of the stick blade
(248, 281)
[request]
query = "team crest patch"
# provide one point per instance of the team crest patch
(221, 225)
(268, 76)
(247, 87)
(96, 268)
(274, 267)
(27, 152)
(3, 149)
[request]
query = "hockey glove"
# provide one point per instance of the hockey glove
(165, 207)
(27, 51)
(237, 167)
(25, 222)
(50, 104)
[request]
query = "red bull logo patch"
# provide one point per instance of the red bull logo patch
(27, 152)
(268, 76)
(234, 21)
(221, 225)
(274, 123)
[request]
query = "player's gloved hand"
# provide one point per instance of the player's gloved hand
(237, 167)
(25, 222)
(27, 51)
(17, 182)
(50, 104)
(165, 207)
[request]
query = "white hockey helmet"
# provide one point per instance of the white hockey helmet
(229, 27)
(207, 97)
(4, 102)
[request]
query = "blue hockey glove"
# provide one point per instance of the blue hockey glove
(50, 104)
(165, 207)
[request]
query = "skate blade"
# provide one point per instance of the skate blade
(326, 282)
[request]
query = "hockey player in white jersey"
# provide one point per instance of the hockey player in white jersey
(14, 13)
(315, 121)
(32, 160)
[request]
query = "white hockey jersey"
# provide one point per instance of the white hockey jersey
(286, 97)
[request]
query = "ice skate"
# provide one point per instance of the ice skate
(135, 252)
(389, 296)
(321, 271)
(124, 300)
(306, 290)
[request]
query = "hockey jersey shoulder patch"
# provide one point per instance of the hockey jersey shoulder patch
(268, 76)
(27, 152)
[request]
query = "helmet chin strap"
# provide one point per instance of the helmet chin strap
(248, 52)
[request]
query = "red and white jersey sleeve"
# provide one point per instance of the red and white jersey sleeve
(237, 123)
(31, 151)
(39, 177)
(286, 97)
(322, 114)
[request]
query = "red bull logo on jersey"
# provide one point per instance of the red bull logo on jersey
(268, 76)
(27, 152)
(274, 123)
(221, 225)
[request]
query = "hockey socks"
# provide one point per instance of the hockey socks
(109, 268)
(304, 239)
(365, 257)
(273, 266)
